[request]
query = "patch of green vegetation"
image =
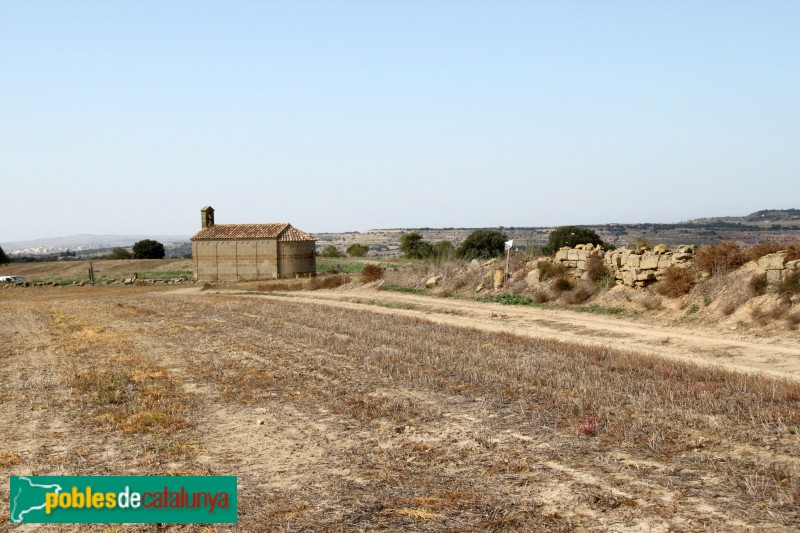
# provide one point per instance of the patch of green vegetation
(407, 290)
(166, 274)
(692, 309)
(599, 309)
(342, 265)
(505, 299)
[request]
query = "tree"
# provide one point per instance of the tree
(331, 251)
(483, 243)
(414, 247)
(148, 249)
(3, 257)
(119, 253)
(357, 250)
(570, 236)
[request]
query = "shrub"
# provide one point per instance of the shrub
(3, 257)
(677, 282)
(651, 302)
(580, 293)
(550, 270)
(562, 284)
(790, 285)
(483, 243)
(596, 269)
(728, 308)
(721, 258)
(331, 251)
(357, 250)
(119, 253)
(148, 249)
(541, 297)
(763, 248)
(570, 236)
(758, 284)
(371, 273)
(414, 247)
(329, 282)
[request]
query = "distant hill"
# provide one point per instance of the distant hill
(772, 224)
(78, 243)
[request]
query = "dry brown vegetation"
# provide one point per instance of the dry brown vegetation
(677, 282)
(339, 419)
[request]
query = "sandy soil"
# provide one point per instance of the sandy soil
(358, 410)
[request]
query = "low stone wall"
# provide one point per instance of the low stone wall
(640, 268)
(643, 267)
(634, 268)
(777, 267)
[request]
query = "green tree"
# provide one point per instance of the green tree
(414, 247)
(570, 236)
(483, 243)
(119, 253)
(357, 250)
(331, 251)
(148, 249)
(3, 257)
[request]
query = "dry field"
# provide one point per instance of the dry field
(346, 416)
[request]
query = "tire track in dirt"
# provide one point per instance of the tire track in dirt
(775, 357)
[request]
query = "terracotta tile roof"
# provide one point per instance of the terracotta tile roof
(280, 231)
(292, 234)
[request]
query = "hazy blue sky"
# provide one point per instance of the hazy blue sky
(127, 117)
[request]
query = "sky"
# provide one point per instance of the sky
(127, 117)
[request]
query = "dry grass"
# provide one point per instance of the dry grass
(373, 421)
(677, 282)
(721, 258)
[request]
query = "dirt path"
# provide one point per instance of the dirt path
(728, 348)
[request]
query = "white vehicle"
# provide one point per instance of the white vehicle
(12, 279)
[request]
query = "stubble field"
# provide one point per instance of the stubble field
(339, 419)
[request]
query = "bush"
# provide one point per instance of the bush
(483, 244)
(550, 270)
(721, 258)
(758, 284)
(371, 273)
(763, 248)
(790, 285)
(329, 282)
(581, 293)
(331, 251)
(357, 250)
(3, 257)
(677, 282)
(596, 269)
(570, 236)
(414, 247)
(119, 253)
(148, 249)
(562, 284)
(651, 302)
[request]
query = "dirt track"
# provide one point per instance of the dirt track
(743, 351)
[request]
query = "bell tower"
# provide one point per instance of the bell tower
(206, 217)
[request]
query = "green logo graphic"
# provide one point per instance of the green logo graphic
(123, 499)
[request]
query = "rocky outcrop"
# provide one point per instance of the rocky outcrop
(777, 267)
